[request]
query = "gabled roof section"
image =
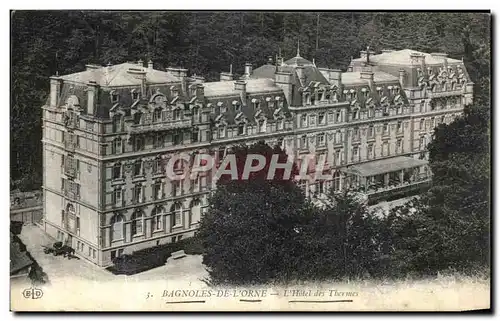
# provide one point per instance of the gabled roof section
(119, 75)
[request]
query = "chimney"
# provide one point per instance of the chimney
(335, 77)
(248, 69)
(227, 76)
(150, 64)
(417, 59)
(300, 73)
(140, 63)
(183, 79)
(368, 75)
(92, 90)
(270, 60)
(55, 91)
(363, 54)
(140, 74)
(200, 92)
(284, 81)
(241, 86)
(402, 75)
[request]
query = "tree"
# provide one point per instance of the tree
(449, 225)
(250, 232)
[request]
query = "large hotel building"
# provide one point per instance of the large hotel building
(108, 130)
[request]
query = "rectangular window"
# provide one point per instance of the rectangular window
(158, 141)
(330, 117)
(194, 136)
(312, 120)
(321, 139)
(339, 117)
(157, 191)
(176, 139)
(355, 154)
(241, 129)
(321, 118)
(338, 157)
(385, 149)
(137, 168)
(117, 146)
(93, 253)
(303, 142)
(369, 151)
(222, 132)
(399, 146)
(303, 119)
(137, 193)
(371, 131)
(386, 129)
(400, 126)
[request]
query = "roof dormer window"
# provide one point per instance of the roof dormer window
(237, 106)
(114, 97)
(222, 109)
(135, 95)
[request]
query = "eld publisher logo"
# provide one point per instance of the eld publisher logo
(33, 293)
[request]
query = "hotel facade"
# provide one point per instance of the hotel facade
(109, 130)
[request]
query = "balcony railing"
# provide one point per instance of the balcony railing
(141, 128)
(70, 171)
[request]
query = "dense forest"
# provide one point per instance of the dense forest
(44, 43)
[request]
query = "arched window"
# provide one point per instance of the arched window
(176, 211)
(117, 227)
(195, 211)
(157, 215)
(137, 223)
(117, 123)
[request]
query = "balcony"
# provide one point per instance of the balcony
(152, 127)
(70, 171)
